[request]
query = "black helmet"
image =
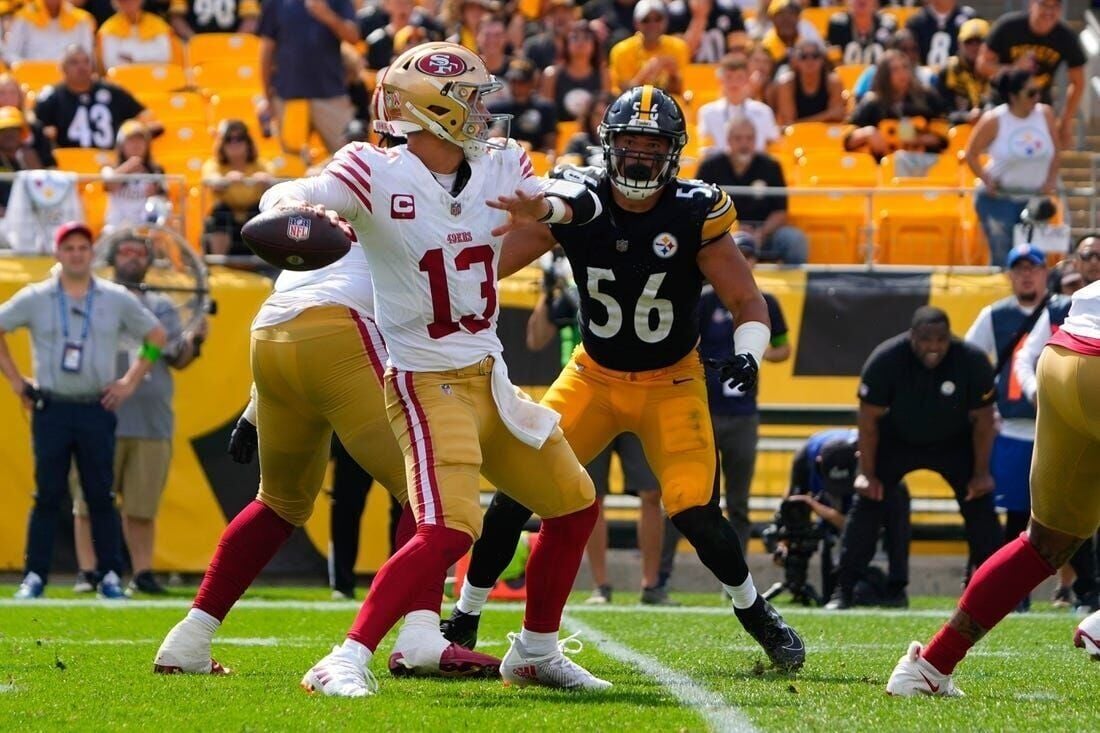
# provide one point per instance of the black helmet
(644, 110)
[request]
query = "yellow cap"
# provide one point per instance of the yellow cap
(129, 128)
(973, 28)
(11, 117)
(777, 5)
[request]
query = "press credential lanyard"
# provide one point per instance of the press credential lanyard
(72, 357)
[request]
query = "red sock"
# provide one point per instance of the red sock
(552, 567)
(406, 527)
(403, 578)
(431, 593)
(997, 587)
(246, 546)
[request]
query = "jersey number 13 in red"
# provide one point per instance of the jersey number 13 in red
(443, 323)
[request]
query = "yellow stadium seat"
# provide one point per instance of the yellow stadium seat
(540, 161)
(835, 224)
(94, 200)
(829, 168)
(849, 74)
(901, 13)
(958, 136)
(819, 18)
(803, 138)
(179, 107)
(919, 229)
(287, 166)
(143, 80)
(33, 75)
(566, 130)
(944, 173)
(700, 79)
(84, 160)
(186, 163)
(227, 75)
(184, 138)
(205, 47)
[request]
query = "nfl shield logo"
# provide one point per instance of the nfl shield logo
(456, 208)
(297, 228)
(622, 245)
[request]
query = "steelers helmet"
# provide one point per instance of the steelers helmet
(644, 110)
(439, 88)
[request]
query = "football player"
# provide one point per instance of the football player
(1065, 508)
(317, 361)
(639, 268)
(420, 211)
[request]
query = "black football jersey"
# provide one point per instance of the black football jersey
(636, 273)
(215, 16)
(856, 48)
(87, 120)
(938, 41)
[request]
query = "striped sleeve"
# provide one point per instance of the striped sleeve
(721, 217)
(349, 166)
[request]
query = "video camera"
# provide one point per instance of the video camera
(794, 527)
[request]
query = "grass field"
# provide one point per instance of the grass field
(85, 665)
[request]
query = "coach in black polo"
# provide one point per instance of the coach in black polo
(925, 402)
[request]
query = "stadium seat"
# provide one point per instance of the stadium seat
(84, 160)
(919, 229)
(958, 136)
(849, 74)
(901, 13)
(184, 139)
(33, 75)
(186, 163)
(287, 166)
(837, 168)
(540, 161)
(143, 80)
(819, 18)
(803, 138)
(835, 222)
(94, 200)
(227, 75)
(566, 130)
(206, 47)
(700, 79)
(180, 107)
(944, 173)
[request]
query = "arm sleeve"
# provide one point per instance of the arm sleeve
(721, 217)
(983, 390)
(875, 386)
(582, 200)
(136, 319)
(1023, 365)
(128, 106)
(250, 408)
(981, 333)
(779, 322)
(16, 312)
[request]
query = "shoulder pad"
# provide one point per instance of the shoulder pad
(588, 175)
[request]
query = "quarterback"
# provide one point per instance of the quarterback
(1065, 508)
(420, 211)
(639, 267)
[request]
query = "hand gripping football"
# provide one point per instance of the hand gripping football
(295, 238)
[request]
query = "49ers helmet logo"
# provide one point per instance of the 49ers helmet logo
(443, 63)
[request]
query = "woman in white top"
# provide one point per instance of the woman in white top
(1019, 138)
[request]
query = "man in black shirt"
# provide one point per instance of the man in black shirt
(188, 17)
(534, 120)
(548, 48)
(860, 35)
(763, 216)
(925, 402)
(379, 28)
(1040, 41)
(936, 27)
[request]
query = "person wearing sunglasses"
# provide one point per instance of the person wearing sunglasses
(965, 92)
(1019, 137)
(650, 56)
(813, 93)
(237, 177)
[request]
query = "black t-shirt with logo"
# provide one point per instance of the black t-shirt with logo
(926, 406)
(89, 119)
(206, 16)
(725, 18)
(1011, 37)
(763, 172)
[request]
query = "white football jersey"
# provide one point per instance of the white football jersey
(345, 282)
(432, 255)
(1084, 312)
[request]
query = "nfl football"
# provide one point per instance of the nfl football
(295, 239)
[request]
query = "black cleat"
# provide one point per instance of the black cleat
(461, 628)
(146, 582)
(783, 645)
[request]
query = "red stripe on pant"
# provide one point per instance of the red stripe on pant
(367, 338)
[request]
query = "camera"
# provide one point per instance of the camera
(794, 527)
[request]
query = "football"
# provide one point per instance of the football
(295, 239)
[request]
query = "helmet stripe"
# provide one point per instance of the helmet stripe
(646, 103)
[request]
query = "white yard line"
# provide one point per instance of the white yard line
(719, 714)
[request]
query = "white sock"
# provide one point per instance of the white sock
(420, 640)
(472, 599)
(539, 645)
(743, 595)
(204, 620)
(359, 650)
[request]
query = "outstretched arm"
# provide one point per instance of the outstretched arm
(522, 246)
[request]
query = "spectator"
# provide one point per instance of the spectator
(74, 394)
(547, 48)
(733, 411)
(787, 28)
(380, 23)
(11, 95)
(41, 31)
(861, 34)
(188, 17)
(534, 121)
(761, 75)
(291, 31)
(1019, 137)
(810, 92)
(469, 16)
(580, 77)
(707, 27)
(101, 10)
(925, 402)
(904, 42)
(613, 20)
(936, 26)
(15, 154)
(238, 178)
(762, 216)
(133, 36)
(1064, 277)
(492, 40)
(584, 147)
(126, 198)
(143, 438)
(733, 76)
(964, 91)
(1039, 41)
(358, 93)
(896, 96)
(650, 56)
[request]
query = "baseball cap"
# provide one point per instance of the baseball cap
(838, 464)
(130, 128)
(645, 7)
(71, 227)
(973, 28)
(520, 70)
(746, 243)
(776, 6)
(11, 117)
(1025, 251)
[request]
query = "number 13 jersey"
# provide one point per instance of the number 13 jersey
(636, 273)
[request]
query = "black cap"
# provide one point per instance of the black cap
(520, 70)
(838, 464)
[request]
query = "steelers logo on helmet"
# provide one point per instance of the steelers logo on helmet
(642, 135)
(665, 245)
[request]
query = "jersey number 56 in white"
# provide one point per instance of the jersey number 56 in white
(648, 302)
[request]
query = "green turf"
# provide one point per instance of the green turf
(87, 667)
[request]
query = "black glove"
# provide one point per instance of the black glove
(243, 441)
(741, 370)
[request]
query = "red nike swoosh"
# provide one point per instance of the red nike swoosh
(933, 688)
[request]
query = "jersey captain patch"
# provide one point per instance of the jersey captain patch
(665, 245)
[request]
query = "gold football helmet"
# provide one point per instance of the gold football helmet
(440, 88)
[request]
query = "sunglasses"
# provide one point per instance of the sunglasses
(1089, 256)
(811, 56)
(236, 139)
(1032, 93)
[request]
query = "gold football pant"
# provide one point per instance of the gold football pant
(666, 409)
(450, 430)
(1065, 469)
(321, 371)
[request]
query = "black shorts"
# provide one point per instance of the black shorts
(638, 477)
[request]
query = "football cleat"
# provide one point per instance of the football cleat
(521, 668)
(186, 650)
(782, 643)
(32, 587)
(342, 673)
(601, 595)
(110, 588)
(461, 628)
(1087, 636)
(456, 661)
(915, 676)
(86, 581)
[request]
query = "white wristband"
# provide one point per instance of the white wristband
(557, 211)
(752, 337)
(250, 409)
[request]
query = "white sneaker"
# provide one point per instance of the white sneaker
(552, 670)
(186, 650)
(914, 676)
(342, 673)
(1087, 635)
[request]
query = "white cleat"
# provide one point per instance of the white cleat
(552, 670)
(343, 673)
(186, 650)
(914, 676)
(1087, 635)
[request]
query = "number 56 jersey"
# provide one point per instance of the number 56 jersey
(636, 273)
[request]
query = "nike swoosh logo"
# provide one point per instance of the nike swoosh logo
(681, 381)
(933, 688)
